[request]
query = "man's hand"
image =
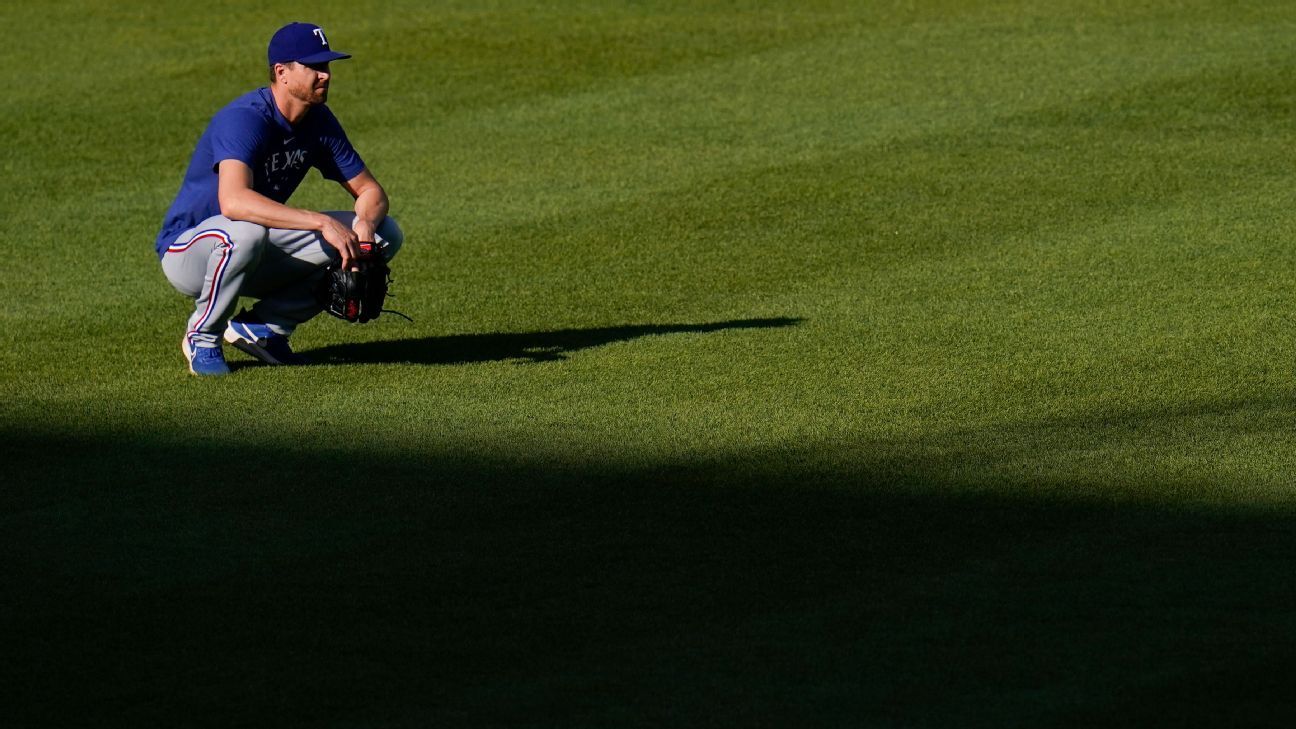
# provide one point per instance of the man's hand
(343, 239)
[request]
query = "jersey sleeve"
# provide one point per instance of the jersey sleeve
(237, 134)
(338, 160)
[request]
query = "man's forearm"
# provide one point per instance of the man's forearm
(254, 207)
(371, 207)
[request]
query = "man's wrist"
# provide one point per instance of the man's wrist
(364, 228)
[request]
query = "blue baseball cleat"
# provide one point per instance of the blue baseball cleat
(258, 340)
(204, 361)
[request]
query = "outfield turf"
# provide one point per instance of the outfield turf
(913, 364)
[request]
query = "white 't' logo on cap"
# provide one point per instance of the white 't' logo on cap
(320, 32)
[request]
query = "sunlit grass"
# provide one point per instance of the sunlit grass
(723, 313)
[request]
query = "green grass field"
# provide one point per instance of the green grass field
(910, 363)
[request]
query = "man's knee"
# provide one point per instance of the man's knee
(392, 237)
(247, 239)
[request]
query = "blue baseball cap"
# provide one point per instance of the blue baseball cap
(303, 43)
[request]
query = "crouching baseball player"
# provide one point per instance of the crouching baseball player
(229, 232)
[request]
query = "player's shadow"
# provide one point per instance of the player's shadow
(523, 347)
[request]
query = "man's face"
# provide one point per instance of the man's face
(308, 83)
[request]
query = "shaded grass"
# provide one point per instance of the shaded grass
(497, 590)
